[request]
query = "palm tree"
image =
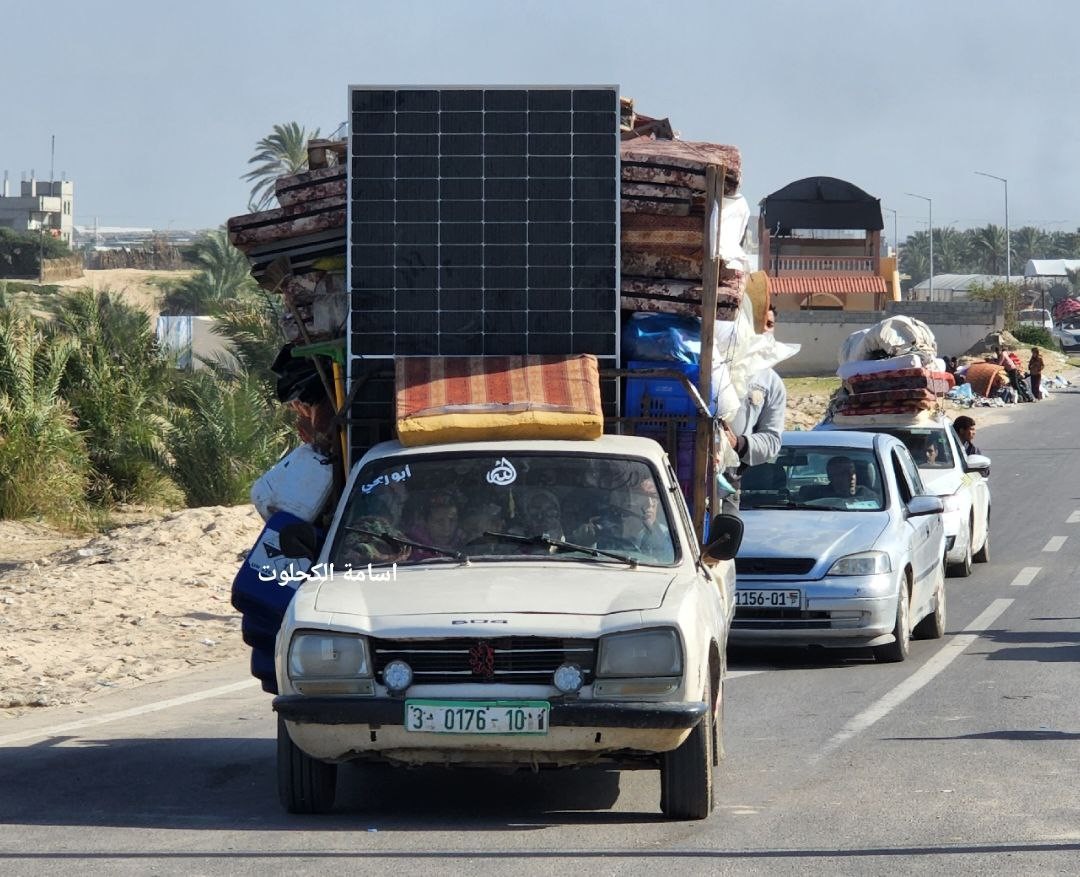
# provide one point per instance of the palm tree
(225, 276)
(1029, 242)
(282, 152)
(43, 461)
(988, 249)
(915, 257)
(950, 251)
(117, 382)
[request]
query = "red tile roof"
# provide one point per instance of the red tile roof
(836, 284)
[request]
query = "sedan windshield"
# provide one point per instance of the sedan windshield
(840, 479)
(415, 509)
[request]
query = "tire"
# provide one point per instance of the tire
(962, 569)
(305, 784)
(933, 625)
(686, 773)
(983, 554)
(898, 650)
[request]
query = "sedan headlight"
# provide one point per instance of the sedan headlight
(866, 563)
(328, 656)
(640, 653)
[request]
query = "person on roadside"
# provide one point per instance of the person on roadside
(1035, 371)
(755, 430)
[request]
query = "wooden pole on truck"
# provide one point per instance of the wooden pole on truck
(703, 440)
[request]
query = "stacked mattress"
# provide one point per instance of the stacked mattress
(664, 241)
(898, 389)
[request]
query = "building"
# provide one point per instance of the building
(820, 248)
(40, 206)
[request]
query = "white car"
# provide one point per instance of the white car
(1067, 333)
(1037, 317)
(961, 482)
(522, 604)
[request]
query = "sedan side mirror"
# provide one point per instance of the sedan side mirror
(978, 463)
(299, 539)
(924, 505)
(725, 537)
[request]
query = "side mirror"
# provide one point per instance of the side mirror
(725, 537)
(924, 505)
(299, 539)
(978, 463)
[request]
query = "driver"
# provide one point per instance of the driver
(843, 482)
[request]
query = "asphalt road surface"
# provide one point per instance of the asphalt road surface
(961, 760)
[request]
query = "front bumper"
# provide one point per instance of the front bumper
(340, 728)
(842, 611)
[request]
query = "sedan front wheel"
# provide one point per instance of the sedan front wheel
(898, 650)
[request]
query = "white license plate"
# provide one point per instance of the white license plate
(477, 717)
(769, 599)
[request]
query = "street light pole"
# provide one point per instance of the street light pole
(930, 207)
(1008, 237)
(896, 239)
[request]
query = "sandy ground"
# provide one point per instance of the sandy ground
(150, 599)
(138, 287)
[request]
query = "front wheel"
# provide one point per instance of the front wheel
(983, 554)
(963, 568)
(933, 625)
(898, 650)
(305, 784)
(686, 773)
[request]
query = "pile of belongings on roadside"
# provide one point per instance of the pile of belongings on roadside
(1067, 309)
(665, 244)
(891, 373)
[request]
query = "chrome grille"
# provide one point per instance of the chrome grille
(523, 660)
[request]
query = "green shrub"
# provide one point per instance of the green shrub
(225, 434)
(44, 467)
(1035, 336)
(117, 382)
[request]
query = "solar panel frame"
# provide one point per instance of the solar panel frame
(482, 220)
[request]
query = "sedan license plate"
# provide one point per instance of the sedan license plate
(477, 717)
(769, 599)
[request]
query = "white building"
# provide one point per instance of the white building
(40, 206)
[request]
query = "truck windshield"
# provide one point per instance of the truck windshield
(417, 509)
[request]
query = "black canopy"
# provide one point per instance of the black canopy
(820, 202)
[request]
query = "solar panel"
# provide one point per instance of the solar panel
(483, 221)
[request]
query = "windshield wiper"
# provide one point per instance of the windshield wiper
(787, 504)
(540, 539)
(398, 540)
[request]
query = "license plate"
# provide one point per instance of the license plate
(477, 717)
(769, 599)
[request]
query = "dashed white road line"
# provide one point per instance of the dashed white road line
(57, 730)
(1074, 518)
(1025, 576)
(948, 653)
(1055, 543)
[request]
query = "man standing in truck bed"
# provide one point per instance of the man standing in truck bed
(755, 430)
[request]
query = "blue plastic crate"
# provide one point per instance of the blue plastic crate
(659, 397)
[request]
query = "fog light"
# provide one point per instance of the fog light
(569, 678)
(397, 676)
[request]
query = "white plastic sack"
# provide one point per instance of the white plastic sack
(727, 231)
(893, 336)
(299, 483)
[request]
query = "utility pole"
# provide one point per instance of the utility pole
(930, 207)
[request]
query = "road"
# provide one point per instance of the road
(962, 759)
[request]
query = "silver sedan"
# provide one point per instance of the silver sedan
(844, 546)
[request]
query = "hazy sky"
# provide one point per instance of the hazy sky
(156, 107)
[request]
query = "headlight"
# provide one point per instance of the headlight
(866, 563)
(953, 502)
(640, 653)
(327, 656)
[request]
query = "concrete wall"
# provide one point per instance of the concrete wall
(956, 326)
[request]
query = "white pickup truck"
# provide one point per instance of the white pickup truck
(532, 604)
